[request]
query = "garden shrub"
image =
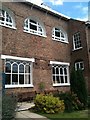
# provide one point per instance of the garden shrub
(78, 86)
(71, 101)
(8, 107)
(48, 104)
(88, 101)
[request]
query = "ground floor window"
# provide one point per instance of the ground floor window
(79, 65)
(18, 73)
(60, 73)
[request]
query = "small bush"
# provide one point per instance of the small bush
(71, 101)
(48, 104)
(8, 107)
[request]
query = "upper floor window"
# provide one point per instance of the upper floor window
(59, 35)
(60, 73)
(79, 65)
(6, 19)
(77, 41)
(34, 27)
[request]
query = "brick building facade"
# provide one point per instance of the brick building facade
(41, 45)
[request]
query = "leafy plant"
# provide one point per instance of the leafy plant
(78, 86)
(8, 107)
(41, 86)
(71, 101)
(48, 104)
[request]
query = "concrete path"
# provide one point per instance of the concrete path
(28, 114)
(23, 112)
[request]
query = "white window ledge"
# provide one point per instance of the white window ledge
(77, 49)
(60, 41)
(59, 63)
(17, 58)
(8, 26)
(18, 86)
(56, 85)
(34, 34)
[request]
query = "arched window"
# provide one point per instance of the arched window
(59, 35)
(6, 19)
(34, 27)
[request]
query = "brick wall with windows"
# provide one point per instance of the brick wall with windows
(41, 46)
(19, 43)
(80, 54)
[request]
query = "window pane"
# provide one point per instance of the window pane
(53, 79)
(15, 68)
(40, 29)
(77, 66)
(32, 21)
(81, 65)
(62, 35)
(57, 70)
(57, 79)
(26, 24)
(61, 71)
(8, 79)
(21, 79)
(27, 79)
(65, 71)
(2, 15)
(21, 68)
(14, 78)
(27, 69)
(8, 18)
(57, 34)
(65, 79)
(53, 70)
(62, 80)
(33, 27)
(77, 41)
(8, 68)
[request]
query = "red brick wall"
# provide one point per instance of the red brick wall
(43, 49)
(77, 26)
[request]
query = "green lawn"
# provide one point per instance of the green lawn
(76, 114)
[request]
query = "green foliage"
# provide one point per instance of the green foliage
(41, 86)
(48, 104)
(71, 101)
(88, 101)
(8, 107)
(78, 86)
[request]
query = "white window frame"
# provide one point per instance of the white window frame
(78, 40)
(6, 23)
(67, 67)
(79, 64)
(35, 32)
(31, 60)
(60, 39)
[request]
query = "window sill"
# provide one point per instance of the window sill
(35, 34)
(8, 26)
(59, 85)
(18, 86)
(60, 41)
(77, 49)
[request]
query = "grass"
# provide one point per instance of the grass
(74, 115)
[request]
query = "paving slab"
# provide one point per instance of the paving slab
(22, 111)
(24, 106)
(28, 114)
